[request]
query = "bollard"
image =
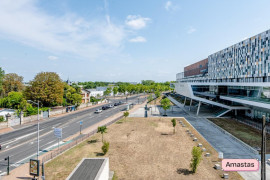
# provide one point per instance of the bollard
(199, 145)
(195, 139)
(207, 155)
(217, 167)
(203, 149)
(226, 176)
(191, 135)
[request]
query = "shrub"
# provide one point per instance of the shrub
(196, 158)
(173, 124)
(126, 114)
(105, 147)
(2, 118)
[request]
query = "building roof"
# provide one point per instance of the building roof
(88, 169)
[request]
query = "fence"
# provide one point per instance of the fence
(53, 154)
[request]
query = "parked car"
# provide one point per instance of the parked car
(111, 105)
(116, 104)
(105, 107)
(98, 111)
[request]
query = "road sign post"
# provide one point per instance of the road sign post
(81, 127)
(263, 150)
(58, 134)
(7, 159)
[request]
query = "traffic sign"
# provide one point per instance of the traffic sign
(81, 122)
(58, 132)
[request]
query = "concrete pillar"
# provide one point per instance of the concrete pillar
(49, 112)
(185, 101)
(41, 115)
(190, 104)
(8, 118)
(198, 110)
(235, 112)
(21, 118)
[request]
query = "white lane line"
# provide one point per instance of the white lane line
(48, 143)
(18, 162)
(4, 173)
(25, 136)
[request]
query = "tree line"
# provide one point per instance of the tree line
(50, 90)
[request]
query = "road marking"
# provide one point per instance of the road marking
(19, 162)
(48, 143)
(7, 147)
(25, 136)
(4, 173)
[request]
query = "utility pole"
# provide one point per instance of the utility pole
(37, 125)
(263, 150)
(7, 159)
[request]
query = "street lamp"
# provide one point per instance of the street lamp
(37, 126)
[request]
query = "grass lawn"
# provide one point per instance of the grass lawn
(243, 132)
(142, 148)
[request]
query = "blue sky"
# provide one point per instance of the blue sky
(105, 40)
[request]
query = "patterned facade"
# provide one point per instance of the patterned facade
(246, 61)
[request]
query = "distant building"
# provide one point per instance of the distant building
(4, 112)
(95, 93)
(85, 96)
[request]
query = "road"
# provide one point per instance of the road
(21, 145)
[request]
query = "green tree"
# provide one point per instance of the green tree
(148, 82)
(102, 130)
(2, 74)
(105, 147)
(47, 87)
(12, 82)
(107, 92)
(173, 124)
(115, 90)
(122, 88)
(196, 158)
(165, 104)
(126, 114)
(71, 95)
(150, 98)
(157, 94)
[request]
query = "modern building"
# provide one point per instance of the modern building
(235, 79)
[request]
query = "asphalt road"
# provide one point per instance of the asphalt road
(21, 145)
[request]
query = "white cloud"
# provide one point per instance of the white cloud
(137, 22)
(26, 23)
(138, 39)
(52, 57)
(169, 6)
(191, 30)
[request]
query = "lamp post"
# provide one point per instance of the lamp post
(37, 126)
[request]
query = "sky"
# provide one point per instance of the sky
(106, 40)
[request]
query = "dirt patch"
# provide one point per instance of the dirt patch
(245, 133)
(142, 148)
